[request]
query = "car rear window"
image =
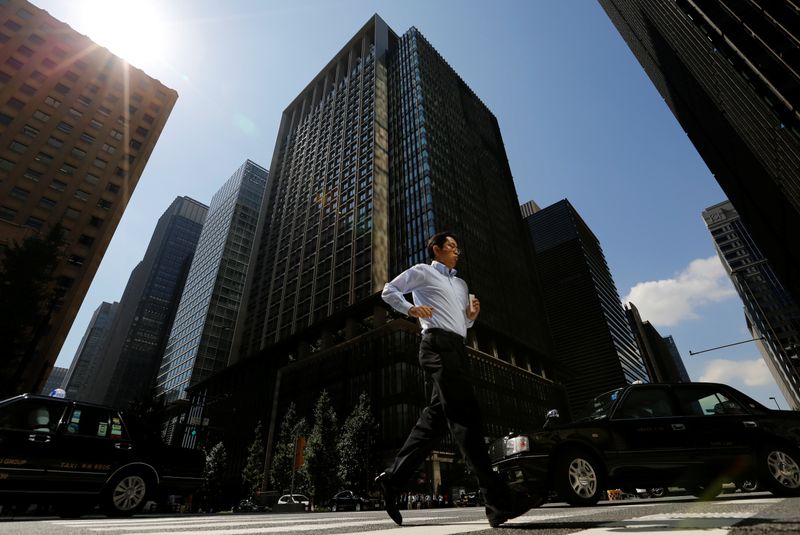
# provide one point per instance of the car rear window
(95, 422)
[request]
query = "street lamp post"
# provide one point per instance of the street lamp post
(776, 402)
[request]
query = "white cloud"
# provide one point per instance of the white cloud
(748, 372)
(670, 301)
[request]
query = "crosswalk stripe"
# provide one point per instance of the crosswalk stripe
(270, 529)
(669, 523)
(160, 523)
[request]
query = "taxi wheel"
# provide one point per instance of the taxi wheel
(579, 478)
(126, 494)
(780, 467)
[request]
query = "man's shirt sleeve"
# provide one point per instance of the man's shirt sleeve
(404, 283)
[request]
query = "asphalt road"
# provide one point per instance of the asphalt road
(738, 514)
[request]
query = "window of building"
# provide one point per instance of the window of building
(18, 147)
(30, 174)
(25, 51)
(75, 114)
(113, 188)
(6, 165)
(92, 179)
(142, 131)
(27, 89)
(47, 202)
(24, 14)
(39, 77)
(103, 110)
(7, 213)
(15, 103)
(49, 63)
(87, 138)
(59, 52)
(116, 134)
(72, 213)
(5, 119)
(63, 89)
(104, 204)
(34, 222)
(82, 195)
(50, 101)
(148, 118)
(4, 38)
(78, 152)
(83, 100)
(85, 240)
(35, 39)
(99, 162)
(111, 149)
(30, 131)
(68, 169)
(95, 124)
(58, 185)
(54, 142)
(11, 25)
(95, 222)
(64, 127)
(4, 77)
(20, 193)
(135, 144)
(76, 260)
(71, 76)
(14, 63)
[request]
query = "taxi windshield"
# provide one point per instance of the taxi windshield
(600, 406)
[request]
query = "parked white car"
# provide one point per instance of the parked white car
(295, 498)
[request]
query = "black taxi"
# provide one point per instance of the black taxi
(76, 455)
(692, 435)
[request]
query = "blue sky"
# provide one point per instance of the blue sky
(579, 117)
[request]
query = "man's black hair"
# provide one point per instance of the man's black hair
(439, 240)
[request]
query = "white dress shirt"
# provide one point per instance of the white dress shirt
(436, 286)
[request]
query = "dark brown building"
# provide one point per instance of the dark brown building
(77, 126)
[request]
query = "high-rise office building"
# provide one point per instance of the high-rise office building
(659, 353)
(771, 313)
(77, 126)
(729, 72)
(90, 353)
(147, 308)
(591, 334)
(385, 146)
(55, 380)
(200, 339)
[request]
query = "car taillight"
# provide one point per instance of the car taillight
(517, 444)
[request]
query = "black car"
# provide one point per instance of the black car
(75, 455)
(692, 435)
(347, 500)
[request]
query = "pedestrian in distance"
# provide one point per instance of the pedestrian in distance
(445, 310)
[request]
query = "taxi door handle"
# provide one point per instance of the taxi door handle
(749, 423)
(678, 427)
(122, 446)
(39, 438)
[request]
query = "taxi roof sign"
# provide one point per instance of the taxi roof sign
(57, 393)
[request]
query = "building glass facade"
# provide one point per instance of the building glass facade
(147, 308)
(772, 314)
(729, 72)
(86, 362)
(591, 334)
(385, 146)
(200, 339)
(77, 127)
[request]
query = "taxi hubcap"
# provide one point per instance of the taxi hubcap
(129, 493)
(784, 469)
(582, 478)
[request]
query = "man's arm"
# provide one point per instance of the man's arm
(404, 283)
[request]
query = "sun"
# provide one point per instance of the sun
(134, 30)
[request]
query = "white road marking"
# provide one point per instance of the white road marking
(148, 524)
(684, 523)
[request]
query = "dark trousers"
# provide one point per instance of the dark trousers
(453, 405)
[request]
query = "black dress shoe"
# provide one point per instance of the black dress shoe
(517, 505)
(390, 495)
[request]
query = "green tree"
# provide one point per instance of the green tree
(28, 296)
(214, 475)
(253, 473)
(357, 458)
(280, 473)
(321, 457)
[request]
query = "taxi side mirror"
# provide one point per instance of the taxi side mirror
(552, 415)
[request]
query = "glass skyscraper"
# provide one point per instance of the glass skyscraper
(729, 72)
(147, 308)
(591, 334)
(385, 146)
(201, 335)
(88, 357)
(772, 314)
